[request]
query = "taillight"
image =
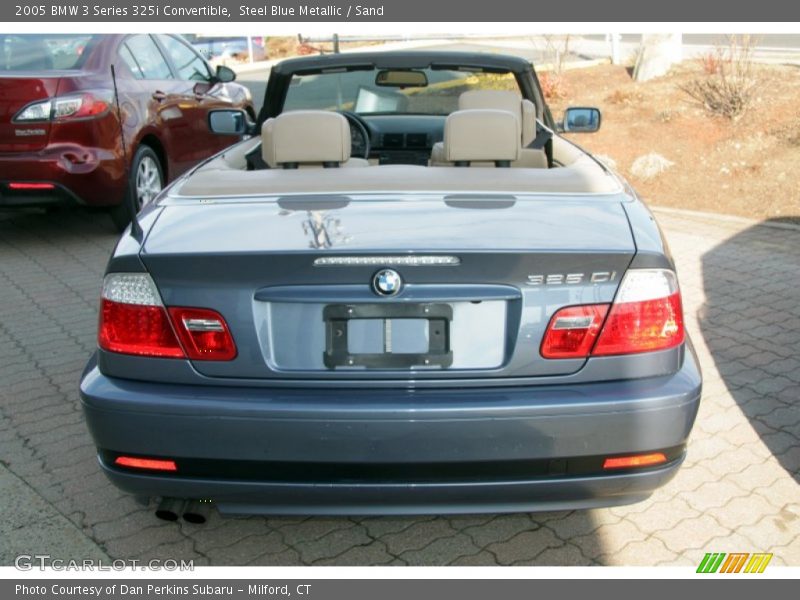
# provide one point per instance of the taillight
(203, 333)
(646, 315)
(573, 331)
(74, 106)
(133, 320)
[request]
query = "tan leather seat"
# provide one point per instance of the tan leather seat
(308, 138)
(481, 137)
(524, 110)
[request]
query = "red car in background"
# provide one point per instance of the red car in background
(60, 139)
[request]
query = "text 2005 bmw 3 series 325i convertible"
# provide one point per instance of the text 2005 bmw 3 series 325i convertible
(405, 293)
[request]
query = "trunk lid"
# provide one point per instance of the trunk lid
(512, 262)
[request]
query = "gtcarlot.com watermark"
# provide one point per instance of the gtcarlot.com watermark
(29, 562)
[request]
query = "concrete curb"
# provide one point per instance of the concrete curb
(725, 218)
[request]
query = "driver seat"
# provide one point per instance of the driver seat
(308, 139)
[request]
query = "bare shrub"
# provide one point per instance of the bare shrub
(555, 49)
(729, 91)
(711, 62)
(553, 85)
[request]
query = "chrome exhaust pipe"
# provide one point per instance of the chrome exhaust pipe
(170, 509)
(197, 511)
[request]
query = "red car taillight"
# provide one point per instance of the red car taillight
(646, 315)
(81, 105)
(133, 320)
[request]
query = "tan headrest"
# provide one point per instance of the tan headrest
(481, 135)
(524, 109)
(305, 136)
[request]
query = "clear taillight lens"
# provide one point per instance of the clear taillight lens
(74, 106)
(133, 320)
(646, 316)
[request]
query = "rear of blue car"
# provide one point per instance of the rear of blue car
(406, 354)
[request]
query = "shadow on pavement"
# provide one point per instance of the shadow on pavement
(751, 324)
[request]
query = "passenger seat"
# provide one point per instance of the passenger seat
(524, 110)
(308, 139)
(480, 137)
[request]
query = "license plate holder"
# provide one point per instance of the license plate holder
(438, 316)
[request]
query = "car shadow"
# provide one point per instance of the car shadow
(751, 325)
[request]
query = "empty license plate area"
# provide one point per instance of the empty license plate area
(387, 336)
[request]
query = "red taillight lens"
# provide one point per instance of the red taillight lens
(137, 329)
(642, 327)
(637, 460)
(152, 464)
(573, 331)
(646, 316)
(87, 105)
(203, 333)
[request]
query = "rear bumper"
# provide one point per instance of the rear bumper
(80, 175)
(552, 427)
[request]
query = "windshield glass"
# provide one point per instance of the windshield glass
(43, 52)
(356, 91)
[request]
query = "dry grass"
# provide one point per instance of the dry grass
(744, 167)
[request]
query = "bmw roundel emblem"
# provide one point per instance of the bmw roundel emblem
(387, 282)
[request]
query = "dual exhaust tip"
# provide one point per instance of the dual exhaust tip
(192, 511)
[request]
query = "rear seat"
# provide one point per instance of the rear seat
(524, 110)
(480, 137)
(308, 139)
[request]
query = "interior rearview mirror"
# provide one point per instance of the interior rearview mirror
(225, 74)
(228, 122)
(401, 79)
(581, 120)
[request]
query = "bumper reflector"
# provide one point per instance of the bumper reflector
(152, 464)
(22, 185)
(637, 460)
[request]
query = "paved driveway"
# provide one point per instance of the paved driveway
(738, 490)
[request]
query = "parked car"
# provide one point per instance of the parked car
(60, 139)
(408, 294)
(227, 48)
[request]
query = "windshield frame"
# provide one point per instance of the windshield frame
(523, 70)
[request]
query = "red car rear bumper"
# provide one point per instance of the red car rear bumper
(79, 175)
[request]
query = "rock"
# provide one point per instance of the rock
(650, 166)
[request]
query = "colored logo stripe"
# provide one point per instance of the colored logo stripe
(713, 562)
(758, 563)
